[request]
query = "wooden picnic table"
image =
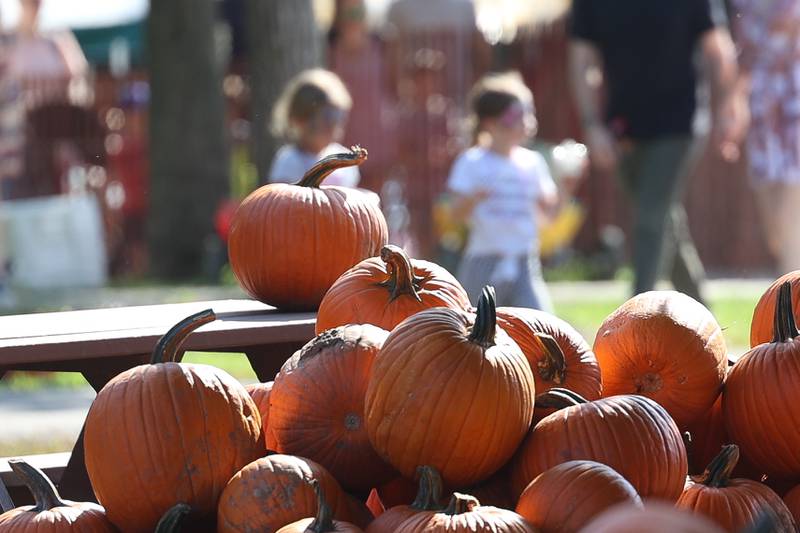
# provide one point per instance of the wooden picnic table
(101, 343)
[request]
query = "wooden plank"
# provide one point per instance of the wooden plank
(52, 464)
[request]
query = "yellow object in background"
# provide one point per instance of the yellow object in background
(561, 231)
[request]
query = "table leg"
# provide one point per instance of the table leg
(267, 360)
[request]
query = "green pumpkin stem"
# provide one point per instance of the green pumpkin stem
(718, 471)
(461, 503)
(323, 522)
(173, 519)
(559, 398)
(554, 365)
(44, 492)
(485, 326)
(784, 325)
(401, 278)
(167, 347)
(326, 165)
(430, 490)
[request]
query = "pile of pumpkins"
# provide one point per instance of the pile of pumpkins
(412, 410)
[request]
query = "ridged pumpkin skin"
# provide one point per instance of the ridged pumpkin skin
(732, 503)
(386, 290)
(274, 491)
(761, 326)
(465, 514)
(317, 405)
(323, 522)
(579, 371)
(289, 243)
(656, 517)
(260, 392)
(632, 434)
(666, 346)
(452, 391)
(792, 501)
(566, 497)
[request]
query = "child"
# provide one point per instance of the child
(311, 114)
(501, 189)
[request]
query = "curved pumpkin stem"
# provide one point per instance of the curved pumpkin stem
(173, 519)
(554, 365)
(430, 489)
(401, 278)
(323, 522)
(718, 471)
(461, 503)
(44, 492)
(167, 347)
(784, 325)
(483, 330)
(326, 165)
(559, 398)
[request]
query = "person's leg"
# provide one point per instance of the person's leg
(530, 290)
(474, 273)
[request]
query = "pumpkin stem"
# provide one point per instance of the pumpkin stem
(559, 398)
(718, 471)
(554, 365)
(461, 503)
(323, 522)
(483, 329)
(784, 325)
(430, 489)
(326, 165)
(401, 278)
(173, 519)
(167, 347)
(44, 492)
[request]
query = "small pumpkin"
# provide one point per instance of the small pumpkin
(732, 503)
(260, 392)
(386, 290)
(450, 390)
(566, 497)
(792, 501)
(173, 519)
(317, 405)
(466, 514)
(50, 512)
(323, 522)
(667, 346)
(182, 429)
(427, 499)
(766, 381)
(656, 517)
(762, 324)
(289, 243)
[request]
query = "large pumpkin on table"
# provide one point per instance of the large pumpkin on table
(317, 405)
(667, 346)
(168, 432)
(452, 391)
(761, 326)
(386, 290)
(289, 243)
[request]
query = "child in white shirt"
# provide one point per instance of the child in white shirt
(501, 189)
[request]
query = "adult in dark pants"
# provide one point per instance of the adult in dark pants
(645, 51)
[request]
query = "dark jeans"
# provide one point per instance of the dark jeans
(654, 173)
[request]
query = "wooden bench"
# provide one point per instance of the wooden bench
(104, 342)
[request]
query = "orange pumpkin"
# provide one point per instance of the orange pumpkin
(465, 514)
(289, 243)
(427, 500)
(317, 405)
(450, 390)
(632, 434)
(398, 491)
(766, 381)
(666, 346)
(792, 501)
(50, 512)
(656, 517)
(761, 327)
(494, 491)
(566, 497)
(260, 392)
(559, 356)
(323, 522)
(173, 519)
(174, 431)
(274, 491)
(386, 290)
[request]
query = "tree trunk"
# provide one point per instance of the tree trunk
(283, 40)
(188, 148)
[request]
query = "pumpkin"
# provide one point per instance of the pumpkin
(762, 324)
(289, 243)
(466, 514)
(559, 356)
(766, 381)
(656, 517)
(494, 491)
(173, 519)
(274, 491)
(427, 499)
(567, 496)
(632, 434)
(317, 405)
(667, 346)
(792, 501)
(260, 392)
(398, 491)
(732, 503)
(169, 432)
(50, 512)
(386, 290)
(450, 390)
(323, 522)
